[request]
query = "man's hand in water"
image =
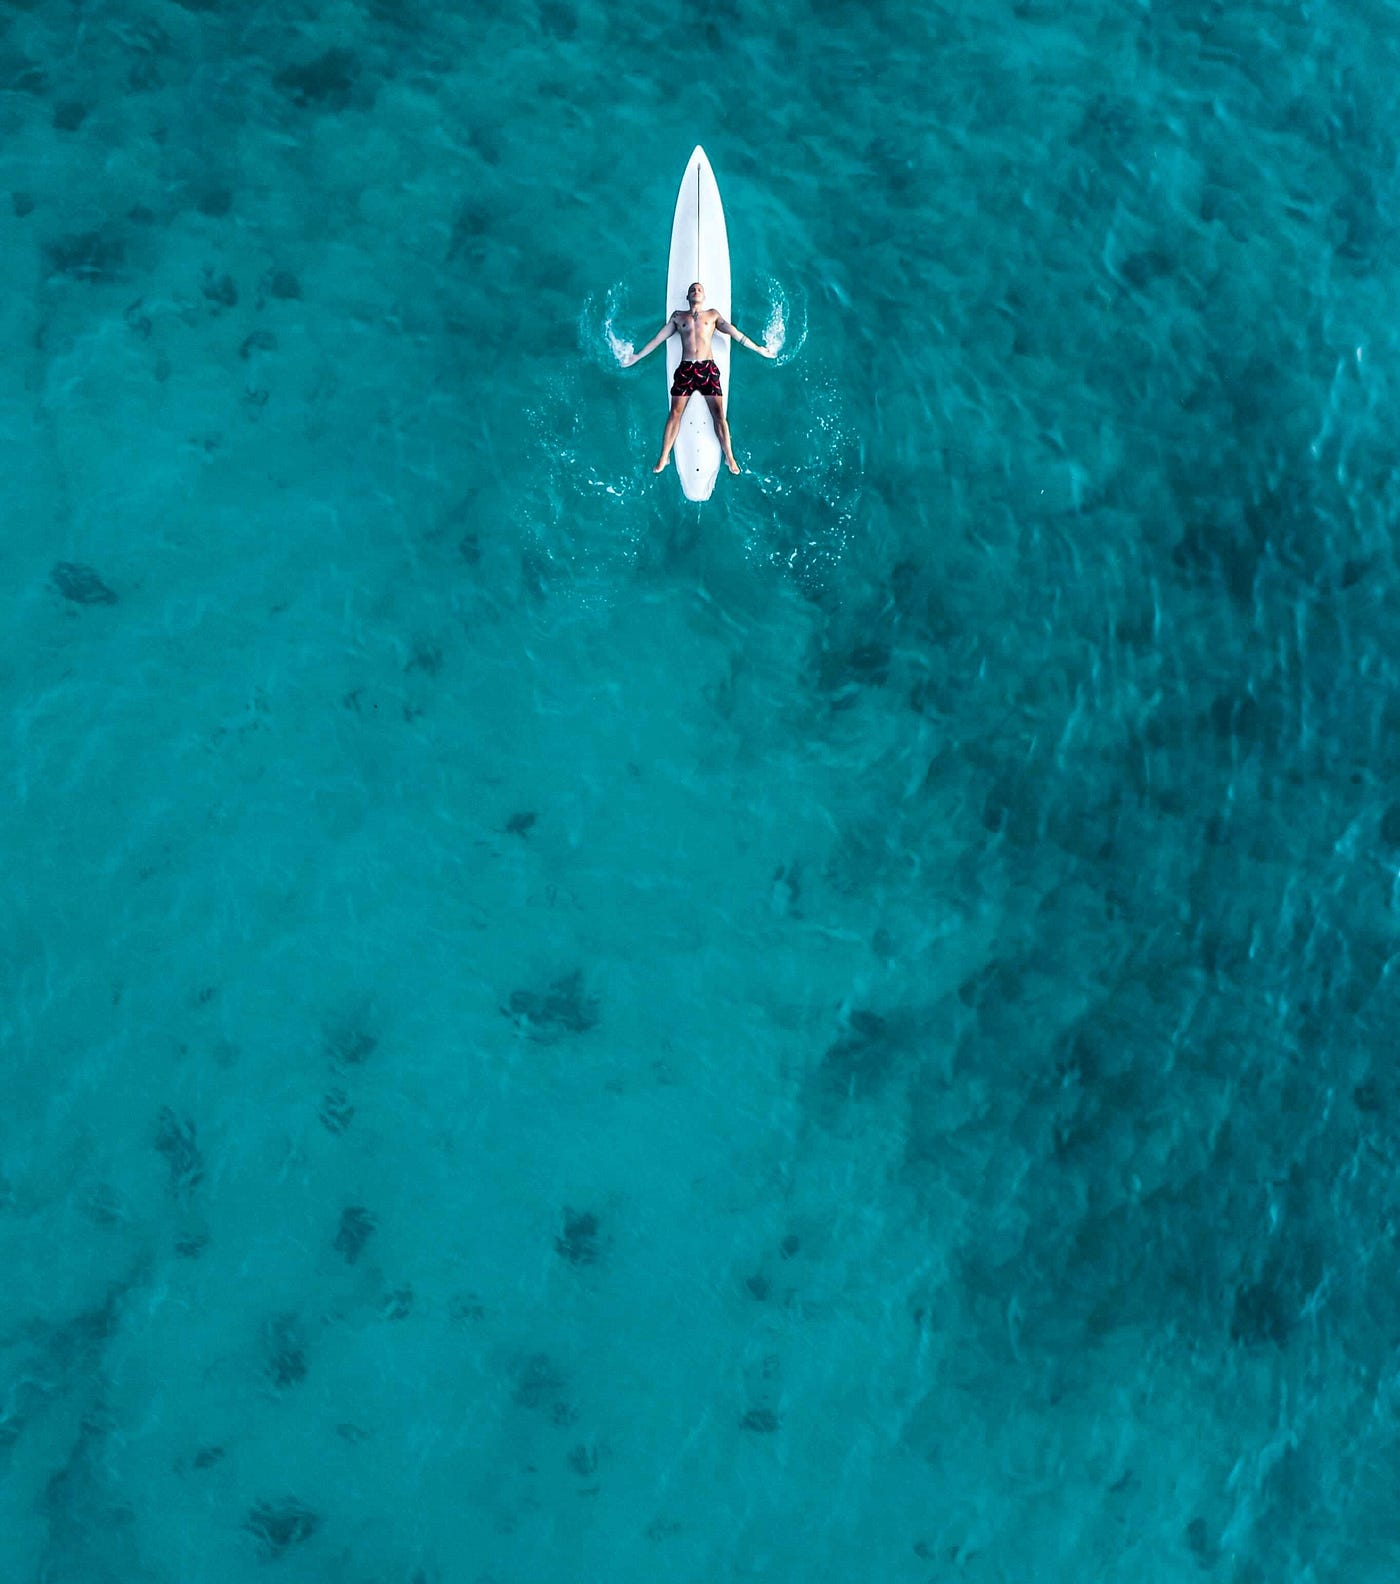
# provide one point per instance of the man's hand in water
(766, 351)
(628, 359)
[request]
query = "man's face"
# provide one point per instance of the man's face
(696, 295)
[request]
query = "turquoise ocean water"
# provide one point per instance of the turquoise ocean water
(844, 1034)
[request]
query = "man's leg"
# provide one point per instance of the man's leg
(673, 428)
(722, 430)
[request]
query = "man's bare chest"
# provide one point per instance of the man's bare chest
(698, 327)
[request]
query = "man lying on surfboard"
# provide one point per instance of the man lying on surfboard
(698, 371)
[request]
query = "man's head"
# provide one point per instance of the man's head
(696, 295)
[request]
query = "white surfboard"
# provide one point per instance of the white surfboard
(699, 252)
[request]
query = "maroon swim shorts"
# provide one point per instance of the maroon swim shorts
(702, 377)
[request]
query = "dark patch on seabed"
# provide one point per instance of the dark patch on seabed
(280, 1525)
(81, 584)
(564, 1008)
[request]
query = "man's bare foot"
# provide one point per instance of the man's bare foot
(733, 465)
(661, 464)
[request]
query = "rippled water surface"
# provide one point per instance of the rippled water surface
(554, 1034)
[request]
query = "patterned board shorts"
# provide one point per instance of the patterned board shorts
(701, 377)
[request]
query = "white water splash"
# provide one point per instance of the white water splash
(604, 344)
(776, 332)
(787, 323)
(622, 350)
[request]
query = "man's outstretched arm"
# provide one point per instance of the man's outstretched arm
(667, 329)
(724, 326)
